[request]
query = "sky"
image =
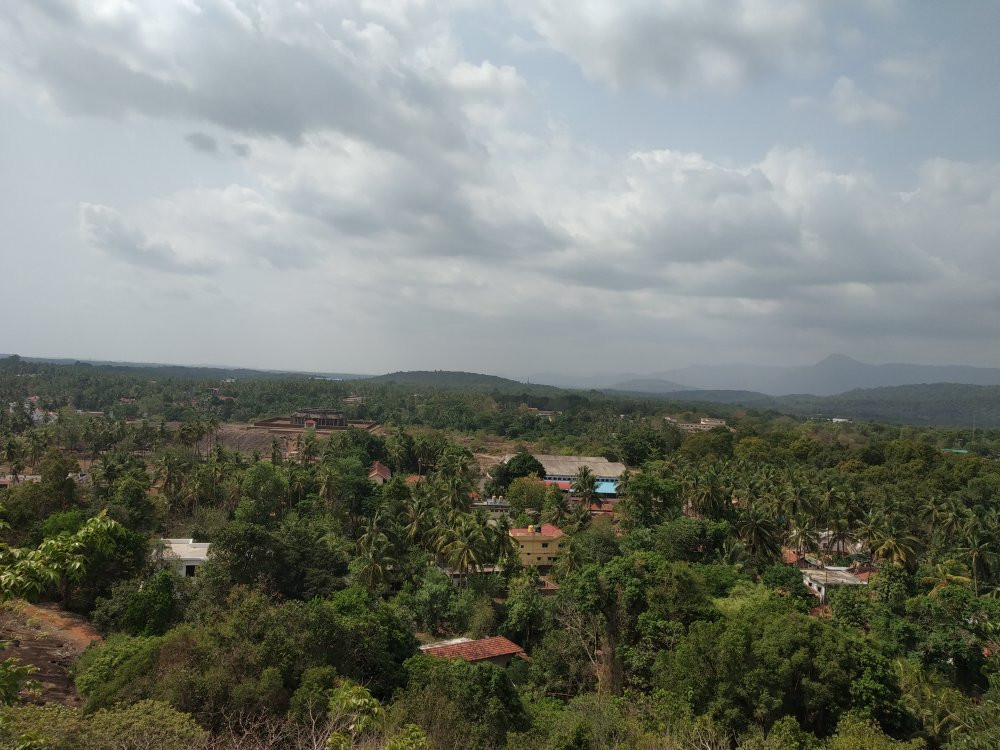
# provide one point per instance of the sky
(572, 186)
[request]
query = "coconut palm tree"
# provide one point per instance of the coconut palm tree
(189, 493)
(501, 545)
(890, 542)
(277, 451)
(35, 443)
(170, 469)
(944, 574)
(585, 486)
(840, 536)
(13, 454)
(466, 546)
(453, 489)
(711, 498)
(953, 516)
(328, 479)
(300, 483)
(797, 498)
(940, 708)
(802, 535)
(830, 495)
(398, 449)
(557, 507)
(420, 518)
(980, 549)
(759, 533)
(373, 564)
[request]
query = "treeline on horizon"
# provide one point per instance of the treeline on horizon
(461, 401)
(676, 626)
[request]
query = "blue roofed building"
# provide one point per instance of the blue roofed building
(562, 471)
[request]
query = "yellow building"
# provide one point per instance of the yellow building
(538, 546)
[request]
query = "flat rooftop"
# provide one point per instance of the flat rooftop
(185, 549)
(559, 466)
(833, 577)
(545, 531)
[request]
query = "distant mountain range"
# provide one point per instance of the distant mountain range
(937, 403)
(835, 374)
(185, 371)
(951, 404)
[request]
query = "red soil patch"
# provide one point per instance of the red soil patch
(49, 639)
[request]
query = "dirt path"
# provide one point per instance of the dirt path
(49, 639)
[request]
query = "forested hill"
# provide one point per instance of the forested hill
(188, 372)
(462, 381)
(833, 375)
(944, 404)
(934, 403)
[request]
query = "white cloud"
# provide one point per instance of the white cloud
(673, 44)
(268, 67)
(107, 230)
(660, 235)
(911, 77)
(388, 187)
(851, 105)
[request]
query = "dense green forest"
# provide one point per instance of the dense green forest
(923, 404)
(676, 624)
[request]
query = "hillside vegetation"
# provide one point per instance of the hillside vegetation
(671, 622)
(929, 404)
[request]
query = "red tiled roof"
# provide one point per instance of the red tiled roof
(790, 556)
(484, 648)
(560, 485)
(414, 478)
(380, 469)
(547, 530)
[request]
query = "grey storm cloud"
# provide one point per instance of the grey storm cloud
(105, 229)
(202, 142)
(273, 73)
(388, 180)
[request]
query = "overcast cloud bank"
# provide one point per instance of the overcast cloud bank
(358, 185)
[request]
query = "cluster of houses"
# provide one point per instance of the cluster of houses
(704, 425)
(539, 547)
(185, 556)
(6, 480)
(32, 408)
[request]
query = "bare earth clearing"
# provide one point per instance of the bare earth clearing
(51, 640)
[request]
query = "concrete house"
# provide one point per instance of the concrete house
(538, 546)
(183, 555)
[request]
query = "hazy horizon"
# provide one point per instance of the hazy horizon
(582, 188)
(562, 379)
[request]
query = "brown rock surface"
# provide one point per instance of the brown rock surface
(50, 640)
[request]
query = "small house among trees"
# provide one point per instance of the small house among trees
(497, 650)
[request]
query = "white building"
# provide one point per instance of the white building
(183, 555)
(821, 581)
